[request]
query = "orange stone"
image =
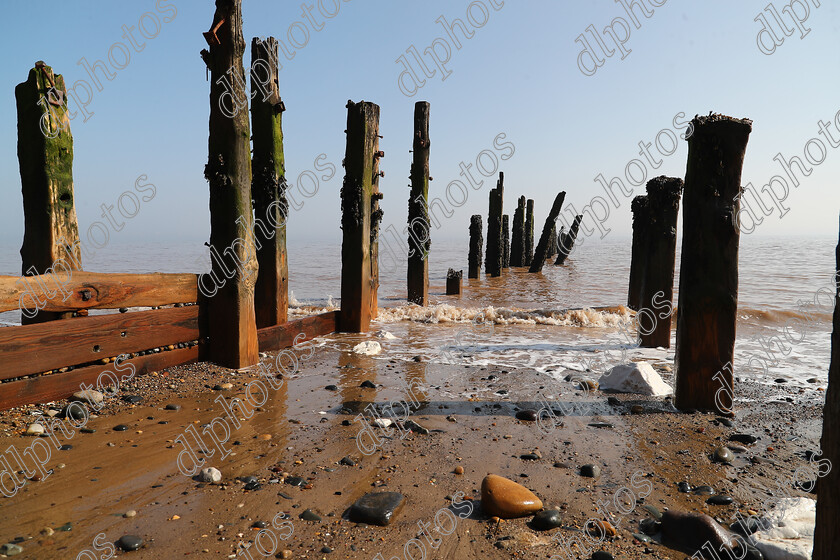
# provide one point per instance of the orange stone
(506, 499)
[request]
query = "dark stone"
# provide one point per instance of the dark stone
(590, 471)
(129, 542)
(132, 399)
(746, 439)
(600, 425)
(348, 462)
(66, 527)
(720, 500)
(76, 411)
(260, 524)
(309, 515)
(66, 447)
(172, 407)
(377, 508)
(120, 428)
(253, 485)
(284, 495)
(529, 457)
(704, 490)
(653, 511)
(325, 549)
(218, 388)
(295, 481)
(346, 423)
(247, 479)
(613, 401)
(684, 487)
(415, 427)
(722, 455)
(693, 530)
(547, 519)
(87, 430)
(602, 555)
(368, 384)
(527, 415)
(650, 526)
(331, 387)
(641, 538)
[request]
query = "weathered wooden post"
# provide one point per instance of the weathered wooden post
(418, 209)
(505, 241)
(493, 259)
(552, 242)
(517, 236)
(268, 186)
(567, 241)
(45, 155)
(826, 544)
(663, 195)
(231, 321)
(638, 252)
(708, 299)
(542, 247)
(376, 214)
(453, 282)
(529, 234)
(356, 208)
(476, 243)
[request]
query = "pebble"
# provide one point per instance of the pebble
(325, 549)
(172, 407)
(35, 430)
(120, 428)
(547, 519)
(347, 461)
(368, 384)
(377, 508)
(637, 409)
(295, 481)
(529, 457)
(590, 471)
(132, 399)
(130, 513)
(704, 490)
(309, 515)
(723, 455)
(75, 411)
(260, 524)
(459, 470)
(653, 511)
(88, 396)
(129, 542)
(253, 485)
(613, 401)
(600, 528)
(746, 439)
(415, 427)
(527, 415)
(286, 554)
(588, 385)
(331, 387)
(65, 447)
(264, 437)
(10, 549)
(684, 487)
(87, 430)
(641, 538)
(47, 531)
(693, 530)
(602, 555)
(506, 499)
(720, 500)
(650, 526)
(211, 475)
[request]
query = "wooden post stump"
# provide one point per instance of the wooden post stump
(505, 241)
(357, 194)
(45, 155)
(529, 234)
(418, 209)
(826, 544)
(493, 259)
(268, 187)
(542, 247)
(476, 243)
(708, 299)
(663, 195)
(232, 323)
(453, 282)
(567, 241)
(638, 252)
(552, 242)
(517, 236)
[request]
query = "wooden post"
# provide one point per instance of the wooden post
(356, 206)
(376, 214)
(418, 209)
(708, 299)
(476, 243)
(663, 195)
(505, 241)
(826, 544)
(232, 323)
(45, 155)
(638, 252)
(493, 259)
(542, 247)
(517, 237)
(453, 282)
(529, 234)
(268, 187)
(552, 242)
(567, 241)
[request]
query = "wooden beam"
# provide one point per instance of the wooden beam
(418, 209)
(96, 290)
(517, 235)
(232, 320)
(268, 186)
(567, 241)
(38, 348)
(356, 205)
(45, 155)
(505, 241)
(283, 336)
(541, 252)
(47, 388)
(708, 300)
(476, 243)
(528, 254)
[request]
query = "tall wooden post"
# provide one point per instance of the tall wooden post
(356, 205)
(45, 156)
(826, 544)
(493, 259)
(638, 252)
(505, 241)
(567, 241)
(418, 209)
(268, 186)
(663, 195)
(529, 234)
(708, 299)
(517, 236)
(552, 242)
(476, 243)
(376, 214)
(231, 318)
(542, 247)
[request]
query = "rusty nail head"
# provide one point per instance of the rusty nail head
(86, 295)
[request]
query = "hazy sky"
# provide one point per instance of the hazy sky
(518, 75)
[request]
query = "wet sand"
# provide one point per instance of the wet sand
(107, 473)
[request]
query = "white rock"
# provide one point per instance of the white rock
(368, 348)
(382, 422)
(211, 475)
(792, 534)
(35, 430)
(385, 335)
(637, 377)
(88, 396)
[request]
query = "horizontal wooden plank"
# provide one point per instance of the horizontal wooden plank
(57, 386)
(38, 348)
(282, 336)
(95, 290)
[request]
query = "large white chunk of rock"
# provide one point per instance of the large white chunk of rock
(637, 377)
(792, 535)
(385, 335)
(210, 475)
(88, 396)
(368, 348)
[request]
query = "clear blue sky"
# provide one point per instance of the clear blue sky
(517, 75)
